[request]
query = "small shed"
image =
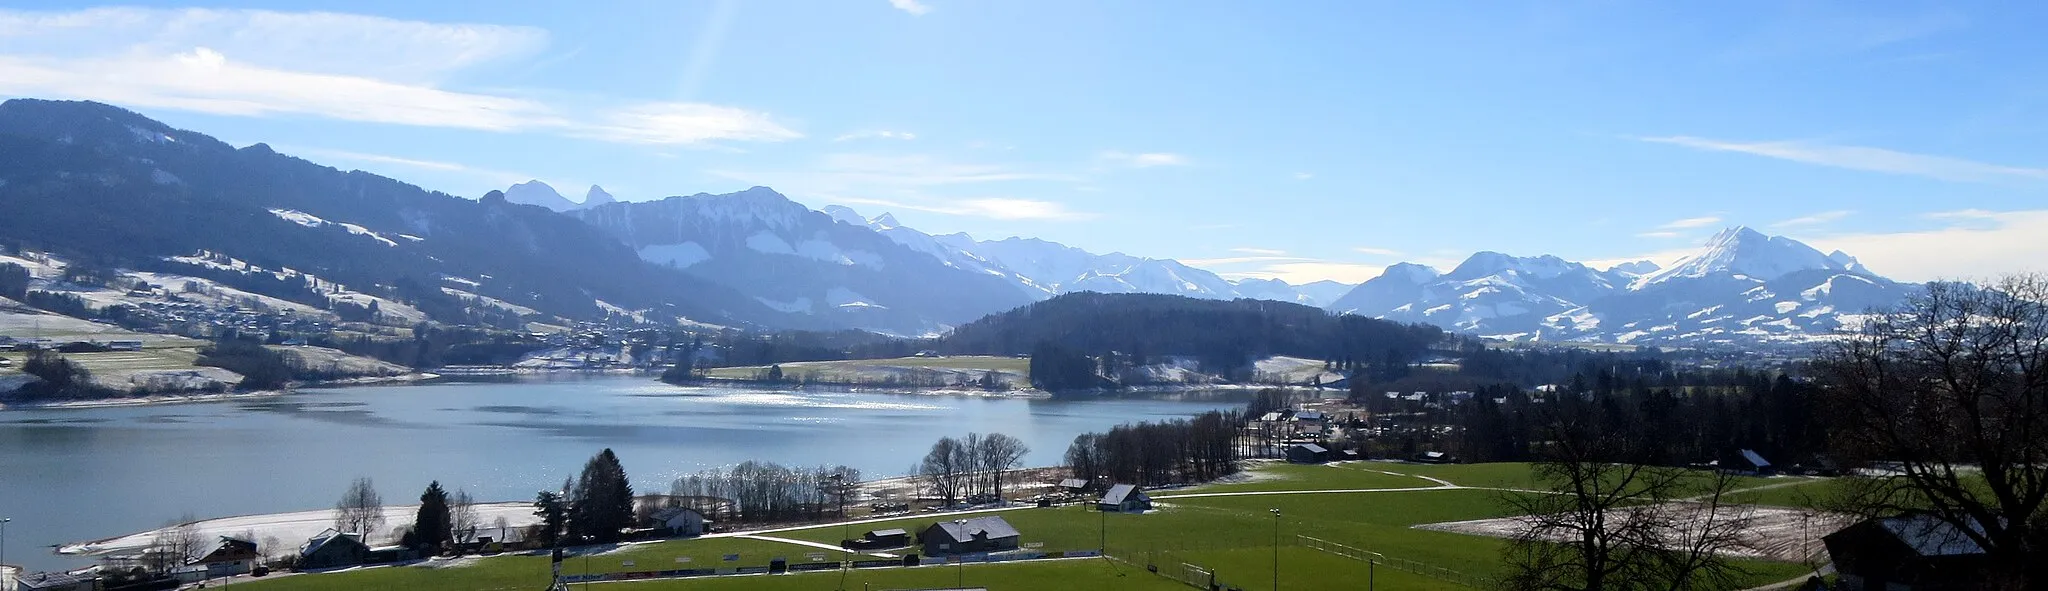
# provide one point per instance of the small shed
(333, 549)
(1754, 462)
(1124, 498)
(678, 521)
(234, 556)
(1074, 486)
(1307, 453)
(1435, 457)
(1910, 552)
(882, 538)
(967, 536)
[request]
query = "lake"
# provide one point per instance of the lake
(83, 474)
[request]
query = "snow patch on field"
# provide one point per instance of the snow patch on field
(293, 529)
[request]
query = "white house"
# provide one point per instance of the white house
(680, 521)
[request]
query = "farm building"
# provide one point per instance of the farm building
(1074, 486)
(1753, 463)
(1307, 453)
(332, 549)
(967, 536)
(1911, 552)
(232, 557)
(679, 521)
(1124, 498)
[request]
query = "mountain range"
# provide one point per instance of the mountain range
(107, 184)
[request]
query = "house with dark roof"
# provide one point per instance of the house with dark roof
(1910, 552)
(1307, 453)
(1074, 486)
(55, 582)
(1124, 498)
(234, 556)
(880, 539)
(333, 549)
(967, 536)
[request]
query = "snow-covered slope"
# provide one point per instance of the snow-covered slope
(1740, 287)
(793, 259)
(1044, 268)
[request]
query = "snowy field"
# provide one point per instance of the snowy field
(288, 531)
(1774, 533)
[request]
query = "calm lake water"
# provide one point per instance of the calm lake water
(74, 475)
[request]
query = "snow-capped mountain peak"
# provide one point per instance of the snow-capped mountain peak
(1743, 251)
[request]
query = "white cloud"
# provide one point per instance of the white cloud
(1385, 252)
(1298, 273)
(338, 66)
(1226, 261)
(1969, 244)
(1659, 234)
(1689, 223)
(684, 123)
(911, 6)
(1816, 219)
(1142, 160)
(1259, 251)
(1867, 159)
(1302, 176)
(877, 134)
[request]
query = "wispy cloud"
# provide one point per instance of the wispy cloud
(367, 69)
(1866, 159)
(1384, 252)
(1965, 244)
(1690, 223)
(1302, 176)
(1001, 208)
(1818, 219)
(685, 124)
(1258, 251)
(1836, 34)
(1222, 261)
(876, 134)
(486, 176)
(1143, 159)
(1658, 234)
(911, 6)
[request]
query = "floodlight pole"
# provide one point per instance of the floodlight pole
(1276, 549)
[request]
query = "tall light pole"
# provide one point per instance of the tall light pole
(1276, 549)
(3, 540)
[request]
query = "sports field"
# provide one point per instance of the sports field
(1228, 529)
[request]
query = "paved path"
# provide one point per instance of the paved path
(812, 544)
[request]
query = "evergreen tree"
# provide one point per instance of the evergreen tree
(432, 526)
(554, 515)
(601, 505)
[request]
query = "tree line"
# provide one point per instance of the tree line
(1202, 448)
(972, 467)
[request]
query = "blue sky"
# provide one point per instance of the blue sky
(1300, 140)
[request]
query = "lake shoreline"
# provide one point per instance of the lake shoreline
(203, 397)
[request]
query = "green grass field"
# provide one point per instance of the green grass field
(1233, 536)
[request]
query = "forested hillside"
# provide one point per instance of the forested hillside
(110, 187)
(1223, 336)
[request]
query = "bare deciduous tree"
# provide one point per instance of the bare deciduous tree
(944, 467)
(997, 455)
(1947, 396)
(462, 516)
(178, 543)
(1607, 522)
(360, 510)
